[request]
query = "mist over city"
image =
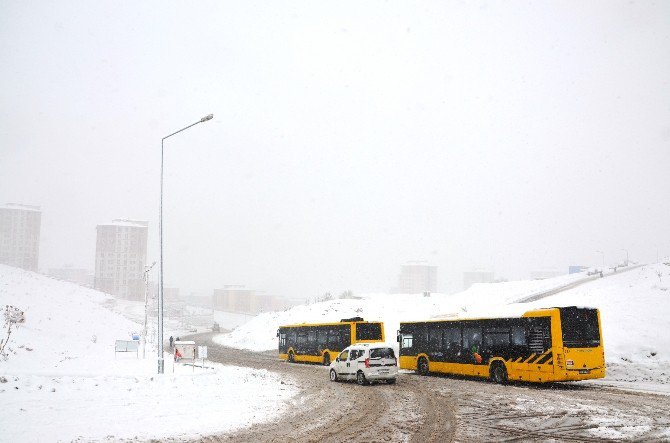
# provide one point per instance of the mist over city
(345, 142)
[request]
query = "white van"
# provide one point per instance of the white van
(364, 363)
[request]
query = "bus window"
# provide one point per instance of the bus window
(497, 338)
(451, 337)
(518, 336)
(333, 338)
(580, 327)
(302, 338)
(282, 339)
(322, 337)
(311, 336)
(291, 337)
(368, 331)
(407, 341)
(435, 339)
(472, 336)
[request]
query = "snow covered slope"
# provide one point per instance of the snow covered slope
(62, 380)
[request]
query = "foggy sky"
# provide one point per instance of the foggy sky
(347, 138)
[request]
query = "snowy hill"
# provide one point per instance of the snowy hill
(635, 310)
(62, 377)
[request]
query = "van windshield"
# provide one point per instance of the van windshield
(382, 353)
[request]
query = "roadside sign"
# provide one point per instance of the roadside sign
(202, 351)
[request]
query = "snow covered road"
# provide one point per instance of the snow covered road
(439, 409)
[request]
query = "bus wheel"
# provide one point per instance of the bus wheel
(333, 375)
(360, 378)
(422, 367)
(326, 359)
(499, 373)
(291, 357)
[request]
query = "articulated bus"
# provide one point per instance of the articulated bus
(320, 343)
(544, 345)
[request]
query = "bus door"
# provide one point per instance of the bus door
(434, 349)
(470, 354)
(452, 345)
(312, 347)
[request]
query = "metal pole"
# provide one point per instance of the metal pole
(160, 287)
(146, 307)
(161, 362)
(144, 330)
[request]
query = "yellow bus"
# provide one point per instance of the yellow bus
(322, 342)
(543, 345)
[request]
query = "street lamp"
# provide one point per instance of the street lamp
(146, 302)
(161, 365)
(603, 258)
(626, 251)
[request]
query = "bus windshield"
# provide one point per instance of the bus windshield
(580, 327)
(368, 331)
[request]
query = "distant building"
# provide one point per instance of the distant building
(120, 257)
(79, 276)
(232, 298)
(472, 277)
(541, 274)
(417, 277)
(237, 298)
(20, 235)
(574, 269)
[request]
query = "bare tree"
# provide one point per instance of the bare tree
(13, 317)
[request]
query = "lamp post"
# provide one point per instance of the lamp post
(603, 258)
(161, 363)
(146, 302)
(626, 251)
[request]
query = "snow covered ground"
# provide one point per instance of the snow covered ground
(62, 380)
(635, 311)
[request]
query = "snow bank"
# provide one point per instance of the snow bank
(62, 380)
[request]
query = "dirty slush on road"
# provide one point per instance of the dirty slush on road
(443, 409)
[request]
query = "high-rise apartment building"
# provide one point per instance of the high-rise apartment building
(120, 257)
(20, 235)
(417, 277)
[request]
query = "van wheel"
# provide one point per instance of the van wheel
(326, 359)
(498, 373)
(422, 366)
(333, 375)
(360, 378)
(291, 357)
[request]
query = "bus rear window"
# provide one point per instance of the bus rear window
(368, 331)
(580, 327)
